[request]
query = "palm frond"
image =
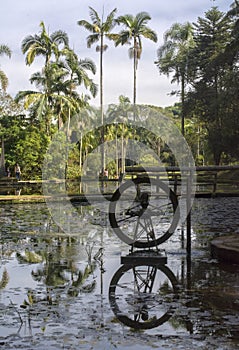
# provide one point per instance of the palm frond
(88, 64)
(141, 18)
(89, 84)
(112, 36)
(87, 25)
(41, 109)
(110, 22)
(92, 39)
(28, 41)
(38, 79)
(60, 37)
(123, 38)
(93, 89)
(43, 27)
(21, 95)
(94, 16)
(4, 49)
(33, 47)
(32, 52)
(126, 20)
(149, 34)
(67, 100)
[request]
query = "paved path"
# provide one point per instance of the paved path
(226, 248)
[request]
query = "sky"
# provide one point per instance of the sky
(19, 19)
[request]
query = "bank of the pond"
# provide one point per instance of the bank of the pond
(38, 198)
(226, 248)
(22, 198)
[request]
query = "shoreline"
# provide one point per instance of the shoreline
(226, 248)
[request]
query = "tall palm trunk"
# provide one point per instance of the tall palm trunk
(183, 103)
(135, 68)
(101, 104)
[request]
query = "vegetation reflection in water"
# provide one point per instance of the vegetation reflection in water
(54, 289)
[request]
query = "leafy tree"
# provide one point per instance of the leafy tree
(12, 124)
(31, 150)
(212, 35)
(173, 57)
(232, 50)
(135, 29)
(4, 49)
(230, 119)
(24, 143)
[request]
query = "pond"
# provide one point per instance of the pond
(72, 292)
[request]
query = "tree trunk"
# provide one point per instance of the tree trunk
(135, 68)
(183, 104)
(2, 160)
(101, 105)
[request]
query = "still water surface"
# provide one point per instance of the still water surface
(58, 292)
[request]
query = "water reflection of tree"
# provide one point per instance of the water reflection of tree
(63, 268)
(5, 279)
(209, 296)
(58, 266)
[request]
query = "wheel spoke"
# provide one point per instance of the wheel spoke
(150, 218)
(146, 304)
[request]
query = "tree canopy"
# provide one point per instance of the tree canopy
(202, 57)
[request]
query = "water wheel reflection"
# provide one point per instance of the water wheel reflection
(141, 295)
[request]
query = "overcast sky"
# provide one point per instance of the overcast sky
(20, 18)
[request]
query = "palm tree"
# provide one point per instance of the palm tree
(77, 74)
(4, 49)
(119, 114)
(60, 98)
(44, 101)
(59, 79)
(77, 71)
(100, 29)
(173, 56)
(135, 29)
(44, 45)
(47, 46)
